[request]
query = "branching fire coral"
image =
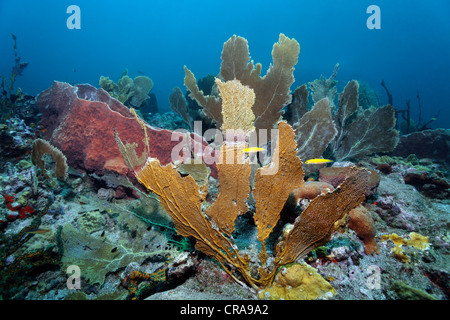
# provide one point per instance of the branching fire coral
(212, 227)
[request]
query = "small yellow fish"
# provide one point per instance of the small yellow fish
(39, 231)
(253, 149)
(317, 161)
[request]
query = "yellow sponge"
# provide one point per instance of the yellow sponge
(298, 282)
(415, 240)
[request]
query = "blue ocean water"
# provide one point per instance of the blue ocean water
(410, 51)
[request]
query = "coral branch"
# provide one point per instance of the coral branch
(272, 191)
(325, 88)
(313, 228)
(347, 106)
(299, 105)
(273, 90)
(179, 105)
(234, 188)
(41, 147)
(315, 130)
(371, 132)
(212, 106)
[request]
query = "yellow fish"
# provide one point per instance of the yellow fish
(317, 161)
(252, 150)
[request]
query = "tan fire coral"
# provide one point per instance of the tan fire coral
(212, 228)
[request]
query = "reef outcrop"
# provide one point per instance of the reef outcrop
(433, 144)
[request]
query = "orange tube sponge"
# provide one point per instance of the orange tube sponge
(361, 222)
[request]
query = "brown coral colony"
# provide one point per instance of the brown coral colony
(249, 102)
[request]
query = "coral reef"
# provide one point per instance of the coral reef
(18, 269)
(97, 256)
(15, 139)
(430, 184)
(416, 241)
(248, 225)
(428, 177)
(213, 235)
(325, 88)
(336, 175)
(81, 229)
